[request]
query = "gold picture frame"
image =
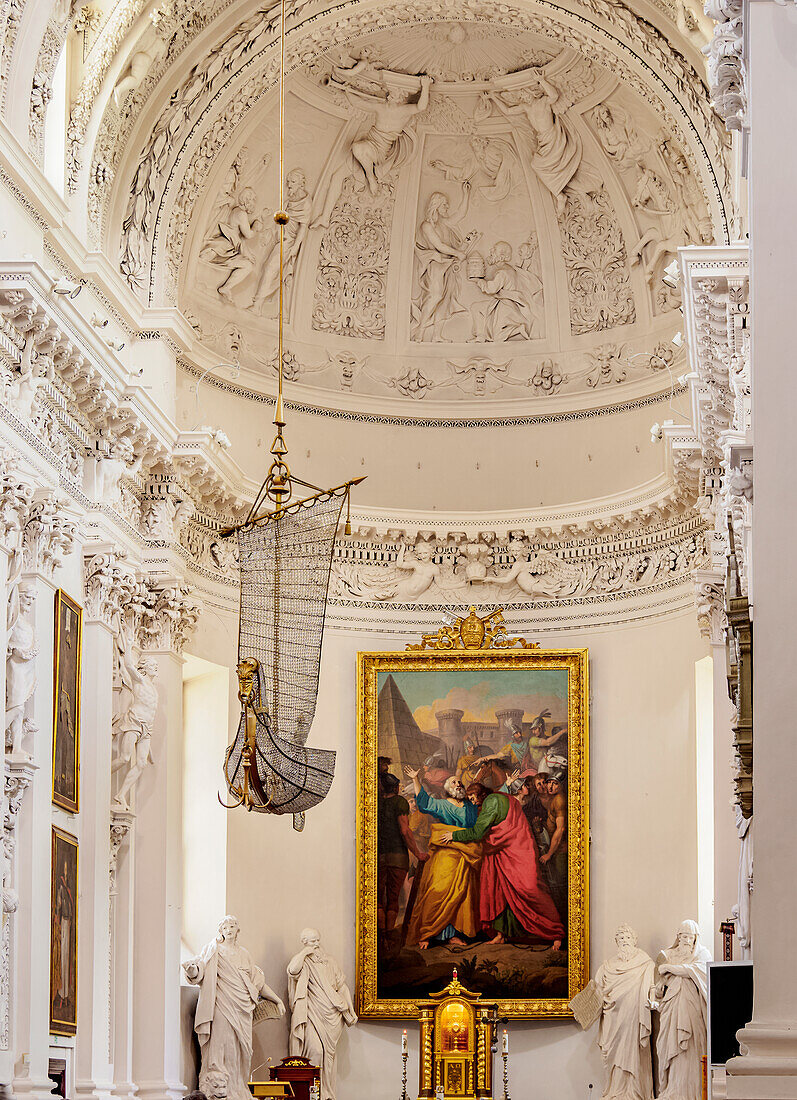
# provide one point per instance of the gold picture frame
(63, 933)
(68, 649)
(476, 657)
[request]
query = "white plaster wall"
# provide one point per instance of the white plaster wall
(470, 469)
(643, 860)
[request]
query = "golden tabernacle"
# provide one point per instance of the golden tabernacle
(456, 1045)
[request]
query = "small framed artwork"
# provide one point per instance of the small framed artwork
(472, 823)
(66, 706)
(63, 934)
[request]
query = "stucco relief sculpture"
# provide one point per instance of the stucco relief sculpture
(321, 1006)
(597, 264)
(439, 254)
(625, 984)
(513, 306)
(617, 134)
(492, 157)
(556, 149)
(134, 718)
(230, 986)
(24, 382)
(388, 143)
(21, 651)
(681, 992)
(148, 51)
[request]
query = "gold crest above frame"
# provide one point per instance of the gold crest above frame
(472, 702)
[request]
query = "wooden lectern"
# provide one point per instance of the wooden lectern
(456, 1044)
(299, 1073)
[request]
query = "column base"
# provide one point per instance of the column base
(94, 1090)
(160, 1090)
(32, 1088)
(767, 1067)
(124, 1090)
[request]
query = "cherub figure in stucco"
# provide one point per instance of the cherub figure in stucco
(681, 992)
(230, 986)
(626, 985)
(321, 1006)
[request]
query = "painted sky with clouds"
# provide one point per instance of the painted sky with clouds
(480, 693)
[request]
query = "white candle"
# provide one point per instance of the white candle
(404, 1041)
(505, 1042)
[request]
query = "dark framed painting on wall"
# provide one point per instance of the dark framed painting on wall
(63, 933)
(472, 828)
(66, 702)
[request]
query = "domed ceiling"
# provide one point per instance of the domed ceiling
(479, 216)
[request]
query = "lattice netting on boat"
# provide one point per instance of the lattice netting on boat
(285, 565)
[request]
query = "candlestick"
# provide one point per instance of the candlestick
(505, 1057)
(505, 1042)
(404, 1056)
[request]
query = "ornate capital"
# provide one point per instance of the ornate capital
(16, 498)
(48, 536)
(169, 614)
(108, 585)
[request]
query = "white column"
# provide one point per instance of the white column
(158, 859)
(32, 921)
(768, 1066)
(93, 1073)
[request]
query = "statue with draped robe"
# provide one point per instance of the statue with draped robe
(321, 1006)
(681, 992)
(230, 985)
(626, 985)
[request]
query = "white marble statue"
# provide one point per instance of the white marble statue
(133, 722)
(321, 1005)
(230, 985)
(626, 983)
(21, 651)
(681, 993)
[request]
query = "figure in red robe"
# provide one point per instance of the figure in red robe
(514, 902)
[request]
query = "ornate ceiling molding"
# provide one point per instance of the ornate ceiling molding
(679, 92)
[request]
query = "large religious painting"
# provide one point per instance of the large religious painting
(66, 702)
(63, 935)
(472, 827)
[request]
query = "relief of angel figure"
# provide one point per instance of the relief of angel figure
(660, 241)
(544, 574)
(387, 145)
(556, 148)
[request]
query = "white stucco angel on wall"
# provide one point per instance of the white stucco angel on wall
(230, 986)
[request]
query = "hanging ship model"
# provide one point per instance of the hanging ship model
(285, 549)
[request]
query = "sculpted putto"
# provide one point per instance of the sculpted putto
(321, 1006)
(230, 985)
